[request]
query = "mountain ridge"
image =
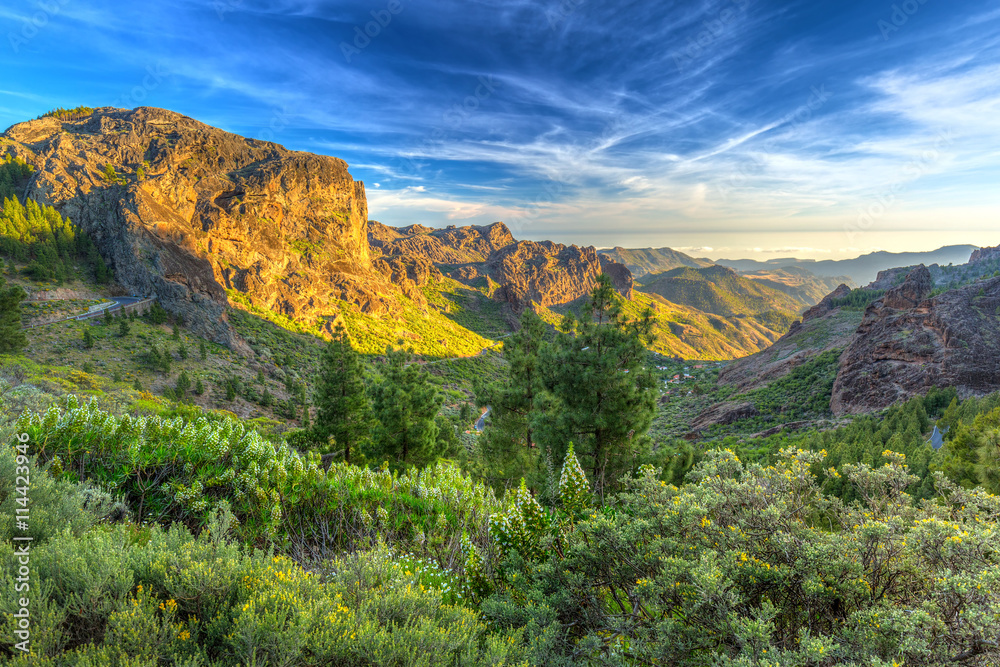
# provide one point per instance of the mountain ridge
(862, 269)
(644, 261)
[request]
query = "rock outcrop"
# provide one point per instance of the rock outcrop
(825, 304)
(823, 328)
(550, 273)
(909, 342)
(523, 272)
(985, 255)
(726, 412)
(184, 211)
(452, 245)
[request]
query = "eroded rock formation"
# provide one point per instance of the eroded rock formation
(184, 211)
(909, 342)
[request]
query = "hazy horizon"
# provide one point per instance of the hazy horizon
(748, 128)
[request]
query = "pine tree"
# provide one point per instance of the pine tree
(599, 394)
(202, 350)
(988, 467)
(199, 387)
(182, 351)
(157, 314)
(123, 327)
(88, 338)
(405, 403)
(12, 338)
(183, 384)
(341, 402)
(506, 450)
(159, 360)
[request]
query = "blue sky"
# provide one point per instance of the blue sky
(726, 128)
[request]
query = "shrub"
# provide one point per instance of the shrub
(750, 564)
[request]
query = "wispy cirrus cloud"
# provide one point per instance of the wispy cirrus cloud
(649, 122)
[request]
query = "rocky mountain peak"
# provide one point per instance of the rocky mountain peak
(184, 211)
(550, 273)
(985, 254)
(916, 287)
(826, 303)
(908, 342)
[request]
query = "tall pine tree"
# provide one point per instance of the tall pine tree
(405, 403)
(599, 394)
(341, 401)
(506, 451)
(12, 338)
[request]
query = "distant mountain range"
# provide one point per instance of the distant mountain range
(798, 283)
(643, 261)
(911, 329)
(861, 270)
(207, 221)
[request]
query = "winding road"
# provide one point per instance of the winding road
(119, 302)
(481, 422)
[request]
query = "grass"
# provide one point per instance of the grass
(802, 395)
(61, 363)
(431, 333)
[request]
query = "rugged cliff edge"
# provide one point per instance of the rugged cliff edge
(909, 342)
(184, 211)
(521, 272)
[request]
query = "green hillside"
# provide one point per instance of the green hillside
(689, 333)
(722, 291)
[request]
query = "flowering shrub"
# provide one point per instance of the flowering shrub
(752, 564)
(129, 596)
(181, 470)
(172, 469)
(574, 489)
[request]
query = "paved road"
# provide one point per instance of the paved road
(126, 300)
(119, 302)
(481, 423)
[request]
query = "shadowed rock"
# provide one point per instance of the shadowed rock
(908, 342)
(191, 211)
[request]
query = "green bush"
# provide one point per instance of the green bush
(752, 564)
(131, 595)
